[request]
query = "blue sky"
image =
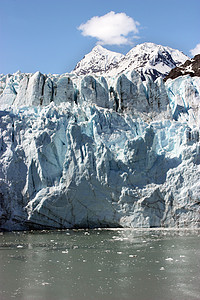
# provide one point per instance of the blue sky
(43, 34)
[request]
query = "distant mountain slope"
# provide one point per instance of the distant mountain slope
(147, 59)
(190, 67)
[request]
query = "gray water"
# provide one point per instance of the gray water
(100, 264)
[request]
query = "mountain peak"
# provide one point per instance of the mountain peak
(146, 58)
(99, 60)
(98, 48)
(152, 59)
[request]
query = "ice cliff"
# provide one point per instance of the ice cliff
(93, 151)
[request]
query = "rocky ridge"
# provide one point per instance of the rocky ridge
(190, 67)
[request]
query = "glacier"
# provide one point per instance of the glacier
(92, 151)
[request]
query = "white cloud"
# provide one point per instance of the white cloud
(111, 29)
(196, 50)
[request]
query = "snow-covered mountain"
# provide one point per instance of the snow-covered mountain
(98, 61)
(101, 151)
(146, 59)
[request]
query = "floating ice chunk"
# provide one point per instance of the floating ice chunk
(65, 251)
(169, 259)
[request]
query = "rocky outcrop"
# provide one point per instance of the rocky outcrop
(190, 67)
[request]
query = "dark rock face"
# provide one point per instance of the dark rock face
(190, 67)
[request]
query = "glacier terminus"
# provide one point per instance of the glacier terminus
(114, 143)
